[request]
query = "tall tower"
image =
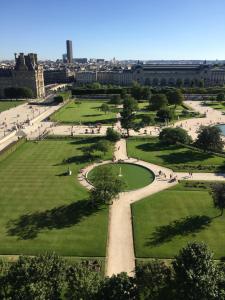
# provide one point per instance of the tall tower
(69, 50)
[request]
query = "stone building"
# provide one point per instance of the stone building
(158, 75)
(26, 73)
(58, 76)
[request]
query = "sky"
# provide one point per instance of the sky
(124, 29)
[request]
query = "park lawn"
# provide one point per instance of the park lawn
(178, 158)
(41, 209)
(7, 104)
(167, 221)
(143, 109)
(85, 112)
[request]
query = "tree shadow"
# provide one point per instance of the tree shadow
(156, 147)
(187, 156)
(100, 121)
(85, 140)
(62, 174)
(28, 226)
(93, 115)
(182, 227)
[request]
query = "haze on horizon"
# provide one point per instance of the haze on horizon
(127, 29)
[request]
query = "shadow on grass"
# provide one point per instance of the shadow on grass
(187, 156)
(156, 147)
(85, 140)
(100, 121)
(182, 227)
(92, 115)
(28, 226)
(62, 174)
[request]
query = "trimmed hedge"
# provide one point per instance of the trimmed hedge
(11, 148)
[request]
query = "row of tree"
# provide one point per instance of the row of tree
(18, 93)
(192, 275)
(208, 138)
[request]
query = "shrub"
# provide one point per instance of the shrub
(112, 135)
(165, 114)
(171, 136)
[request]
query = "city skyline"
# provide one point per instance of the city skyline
(147, 30)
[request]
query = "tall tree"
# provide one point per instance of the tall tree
(171, 136)
(104, 107)
(218, 194)
(220, 97)
(83, 281)
(195, 273)
(107, 185)
(158, 101)
(165, 114)
(153, 280)
(118, 287)
(175, 97)
(40, 277)
(128, 113)
(209, 138)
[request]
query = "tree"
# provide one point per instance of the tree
(40, 277)
(153, 280)
(171, 136)
(123, 93)
(83, 281)
(146, 120)
(112, 135)
(209, 138)
(158, 101)
(58, 99)
(175, 97)
(195, 273)
(25, 93)
(102, 146)
(128, 113)
(218, 195)
(116, 100)
(146, 93)
(220, 97)
(17, 93)
(140, 92)
(118, 287)
(105, 108)
(179, 83)
(107, 185)
(165, 115)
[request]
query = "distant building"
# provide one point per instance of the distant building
(64, 58)
(158, 75)
(69, 49)
(26, 73)
(80, 60)
(58, 76)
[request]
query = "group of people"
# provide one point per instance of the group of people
(172, 177)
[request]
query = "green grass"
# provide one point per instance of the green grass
(143, 109)
(134, 177)
(85, 112)
(41, 209)
(176, 157)
(4, 105)
(167, 221)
